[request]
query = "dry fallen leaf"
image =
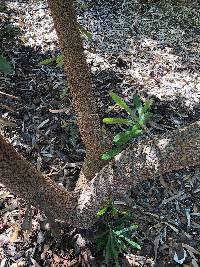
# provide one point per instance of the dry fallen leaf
(194, 263)
(27, 222)
(63, 110)
(4, 195)
(43, 123)
(5, 122)
(14, 235)
(188, 247)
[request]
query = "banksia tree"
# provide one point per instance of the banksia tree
(144, 160)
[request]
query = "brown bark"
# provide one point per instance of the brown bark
(78, 76)
(21, 177)
(143, 160)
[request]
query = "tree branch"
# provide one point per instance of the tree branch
(143, 160)
(22, 178)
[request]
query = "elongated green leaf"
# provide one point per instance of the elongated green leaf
(102, 211)
(111, 153)
(135, 132)
(5, 66)
(46, 61)
(122, 138)
(129, 229)
(137, 101)
(147, 104)
(108, 252)
(145, 117)
(85, 32)
(102, 239)
(138, 104)
(120, 101)
(60, 60)
(132, 243)
(117, 121)
(121, 245)
(114, 247)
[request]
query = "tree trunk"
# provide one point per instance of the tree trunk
(143, 160)
(21, 177)
(78, 77)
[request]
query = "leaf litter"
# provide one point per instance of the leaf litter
(135, 47)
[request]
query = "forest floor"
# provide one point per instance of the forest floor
(136, 48)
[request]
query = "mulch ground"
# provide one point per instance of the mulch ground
(151, 49)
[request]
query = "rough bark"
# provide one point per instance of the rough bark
(78, 76)
(21, 177)
(143, 160)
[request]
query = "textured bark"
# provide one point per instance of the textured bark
(143, 160)
(22, 178)
(78, 76)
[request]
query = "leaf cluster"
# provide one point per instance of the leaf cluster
(8, 34)
(116, 238)
(137, 119)
(8, 31)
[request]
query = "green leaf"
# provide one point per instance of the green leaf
(83, 6)
(108, 252)
(46, 61)
(147, 104)
(144, 118)
(122, 138)
(121, 245)
(129, 229)
(137, 101)
(111, 153)
(60, 60)
(132, 243)
(115, 253)
(64, 93)
(85, 32)
(102, 211)
(138, 104)
(5, 66)
(135, 132)
(102, 239)
(117, 121)
(64, 124)
(118, 100)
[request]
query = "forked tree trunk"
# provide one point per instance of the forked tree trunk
(78, 76)
(144, 160)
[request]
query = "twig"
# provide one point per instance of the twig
(8, 95)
